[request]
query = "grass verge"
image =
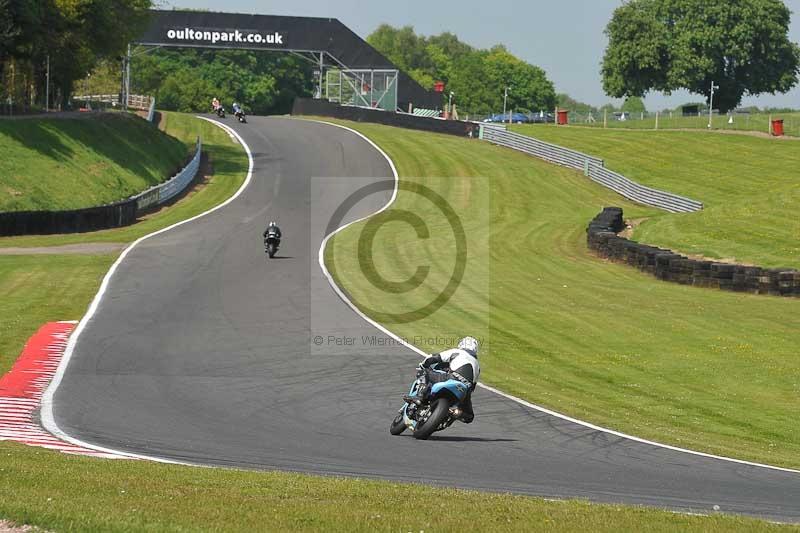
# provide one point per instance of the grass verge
(56, 164)
(750, 187)
(755, 122)
(229, 172)
(696, 368)
(71, 493)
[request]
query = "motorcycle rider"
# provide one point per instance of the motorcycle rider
(461, 364)
(215, 104)
(273, 230)
(236, 108)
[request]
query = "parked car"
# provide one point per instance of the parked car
(542, 118)
(516, 118)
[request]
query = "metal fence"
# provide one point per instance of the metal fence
(162, 193)
(592, 167)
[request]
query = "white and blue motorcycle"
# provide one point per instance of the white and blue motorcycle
(437, 411)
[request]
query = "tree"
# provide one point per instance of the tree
(565, 101)
(633, 104)
(666, 45)
(477, 77)
(530, 88)
(186, 80)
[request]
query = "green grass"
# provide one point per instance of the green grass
(59, 492)
(750, 187)
(38, 289)
(758, 122)
(56, 164)
(703, 369)
(229, 172)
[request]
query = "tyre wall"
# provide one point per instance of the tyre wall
(602, 238)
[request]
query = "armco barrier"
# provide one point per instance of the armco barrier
(151, 112)
(601, 237)
(592, 167)
(324, 108)
(163, 192)
(113, 215)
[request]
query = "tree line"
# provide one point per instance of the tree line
(186, 80)
(478, 78)
(74, 36)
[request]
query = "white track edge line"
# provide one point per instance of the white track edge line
(520, 401)
(47, 414)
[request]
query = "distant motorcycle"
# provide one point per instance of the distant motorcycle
(241, 116)
(220, 111)
(271, 243)
(439, 410)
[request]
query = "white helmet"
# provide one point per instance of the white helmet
(469, 344)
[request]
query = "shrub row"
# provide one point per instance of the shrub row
(670, 266)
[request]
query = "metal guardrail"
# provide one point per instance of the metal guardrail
(151, 113)
(592, 167)
(159, 194)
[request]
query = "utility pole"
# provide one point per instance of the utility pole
(711, 104)
(450, 106)
(505, 100)
(126, 93)
(47, 87)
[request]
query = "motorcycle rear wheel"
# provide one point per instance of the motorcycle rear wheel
(440, 411)
(398, 424)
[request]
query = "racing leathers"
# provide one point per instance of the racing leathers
(460, 365)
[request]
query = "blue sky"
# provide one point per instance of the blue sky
(564, 37)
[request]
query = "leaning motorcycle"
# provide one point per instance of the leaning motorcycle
(436, 412)
(241, 116)
(271, 243)
(220, 111)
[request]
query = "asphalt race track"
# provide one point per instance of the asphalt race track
(201, 351)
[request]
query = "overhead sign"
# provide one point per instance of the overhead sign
(325, 41)
(199, 36)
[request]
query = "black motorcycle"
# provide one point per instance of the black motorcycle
(220, 111)
(241, 116)
(271, 243)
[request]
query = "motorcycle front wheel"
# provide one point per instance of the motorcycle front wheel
(398, 424)
(439, 411)
(271, 249)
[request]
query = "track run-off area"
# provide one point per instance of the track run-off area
(201, 351)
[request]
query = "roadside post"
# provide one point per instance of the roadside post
(711, 104)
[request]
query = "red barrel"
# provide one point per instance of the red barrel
(563, 117)
(777, 127)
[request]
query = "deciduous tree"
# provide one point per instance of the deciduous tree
(666, 45)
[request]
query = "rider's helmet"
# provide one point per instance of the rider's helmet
(470, 345)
